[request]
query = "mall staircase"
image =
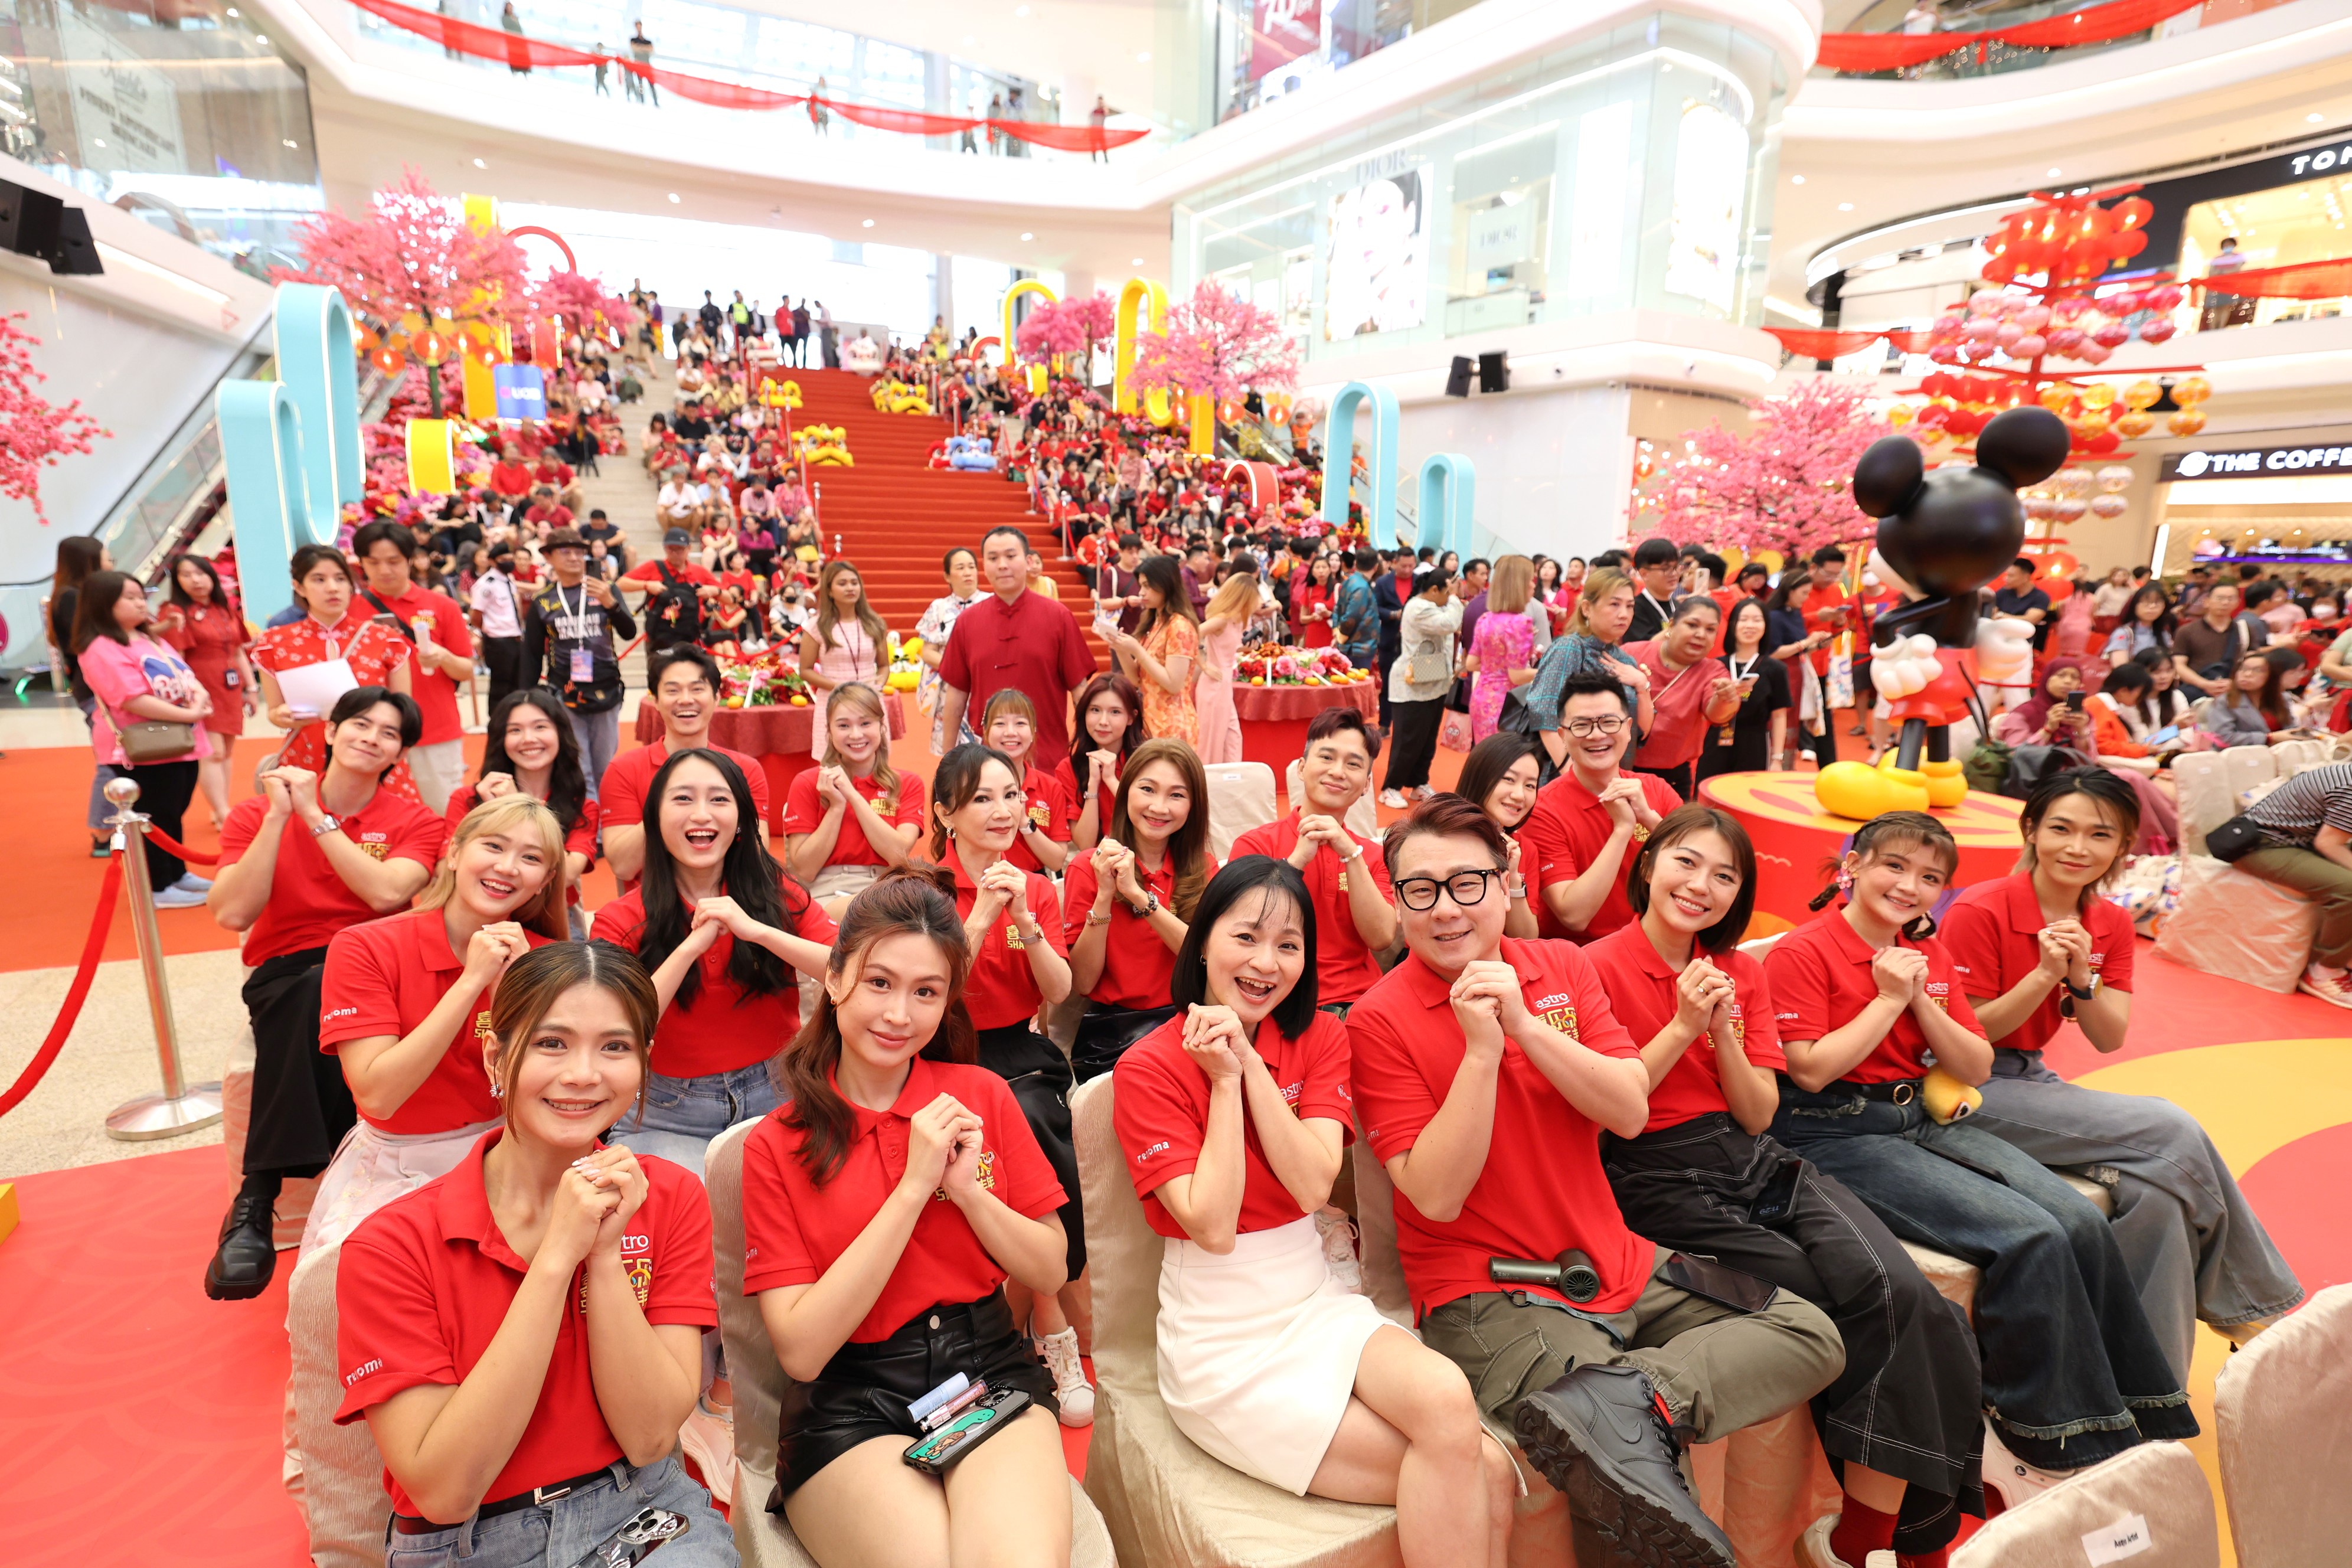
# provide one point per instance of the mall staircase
(897, 518)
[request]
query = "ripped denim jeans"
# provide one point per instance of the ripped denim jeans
(2073, 1372)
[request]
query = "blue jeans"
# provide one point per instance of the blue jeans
(682, 1115)
(2191, 1242)
(600, 738)
(560, 1533)
(2072, 1373)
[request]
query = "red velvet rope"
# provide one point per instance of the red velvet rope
(519, 52)
(2091, 25)
(173, 847)
(84, 973)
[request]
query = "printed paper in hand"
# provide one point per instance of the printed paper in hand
(312, 689)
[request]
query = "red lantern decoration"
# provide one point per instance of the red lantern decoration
(430, 346)
(365, 340)
(389, 359)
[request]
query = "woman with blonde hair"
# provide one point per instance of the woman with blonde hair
(1220, 642)
(1592, 644)
(846, 644)
(1502, 649)
(853, 816)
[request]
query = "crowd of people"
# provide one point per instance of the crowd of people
(1650, 1189)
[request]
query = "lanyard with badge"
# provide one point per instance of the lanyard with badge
(583, 658)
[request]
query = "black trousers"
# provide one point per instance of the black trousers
(1412, 741)
(1040, 1078)
(1908, 1402)
(503, 657)
(165, 790)
(1679, 777)
(301, 1106)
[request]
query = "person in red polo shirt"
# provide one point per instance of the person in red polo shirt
(1019, 963)
(523, 1335)
(440, 654)
(1127, 906)
(1860, 995)
(1233, 1117)
(1588, 819)
(309, 855)
(1014, 637)
(1009, 724)
(1110, 727)
(1486, 1070)
(723, 927)
(2041, 947)
(884, 1210)
(854, 814)
(1904, 1416)
(1355, 921)
(683, 680)
(1690, 693)
(510, 480)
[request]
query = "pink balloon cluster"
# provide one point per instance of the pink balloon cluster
(2018, 329)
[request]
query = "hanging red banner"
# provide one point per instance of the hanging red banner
(1281, 31)
(2092, 25)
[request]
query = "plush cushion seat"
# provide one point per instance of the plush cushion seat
(2282, 1418)
(2156, 1493)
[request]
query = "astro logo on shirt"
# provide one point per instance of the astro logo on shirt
(482, 1030)
(1559, 1012)
(1738, 1029)
(375, 846)
(1940, 991)
(985, 1175)
(636, 1261)
(1013, 938)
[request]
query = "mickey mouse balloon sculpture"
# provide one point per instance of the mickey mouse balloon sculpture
(1943, 535)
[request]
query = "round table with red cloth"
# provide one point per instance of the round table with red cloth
(780, 737)
(1274, 718)
(1797, 842)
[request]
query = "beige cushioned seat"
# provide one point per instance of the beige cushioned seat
(764, 1538)
(1241, 796)
(2282, 1414)
(341, 1485)
(2156, 1493)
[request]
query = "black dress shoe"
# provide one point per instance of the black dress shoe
(1602, 1439)
(247, 1255)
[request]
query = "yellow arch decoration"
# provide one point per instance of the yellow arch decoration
(1143, 308)
(1026, 286)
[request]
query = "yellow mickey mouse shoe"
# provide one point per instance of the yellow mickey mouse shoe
(1859, 792)
(1947, 785)
(1948, 1100)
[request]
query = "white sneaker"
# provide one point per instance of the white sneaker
(176, 897)
(1070, 1385)
(1393, 800)
(708, 1437)
(1813, 1550)
(2327, 985)
(1338, 1233)
(2012, 1477)
(193, 883)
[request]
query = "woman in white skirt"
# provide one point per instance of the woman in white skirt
(406, 1000)
(1233, 1117)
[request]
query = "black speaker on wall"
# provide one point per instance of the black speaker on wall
(1457, 380)
(34, 222)
(1495, 371)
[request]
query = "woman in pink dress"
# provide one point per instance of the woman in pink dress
(1220, 641)
(845, 643)
(1503, 652)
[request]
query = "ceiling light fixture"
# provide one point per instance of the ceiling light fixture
(1028, 236)
(869, 223)
(673, 195)
(1144, 59)
(2054, 174)
(478, 162)
(2315, 117)
(1845, 207)
(284, 143)
(1138, 261)
(1796, 179)
(1021, 10)
(262, 39)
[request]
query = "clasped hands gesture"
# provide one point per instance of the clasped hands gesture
(943, 1149)
(1115, 873)
(1317, 832)
(1218, 1045)
(714, 916)
(2066, 954)
(1489, 1005)
(1002, 887)
(597, 1198)
(1627, 807)
(1701, 994)
(1901, 973)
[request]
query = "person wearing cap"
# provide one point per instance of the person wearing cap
(675, 587)
(568, 629)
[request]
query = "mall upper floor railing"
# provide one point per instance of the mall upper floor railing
(1944, 40)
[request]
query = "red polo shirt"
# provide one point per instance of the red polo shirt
(1818, 619)
(1344, 967)
(723, 1027)
(1049, 814)
(309, 903)
(435, 693)
(425, 1284)
(1137, 968)
(1542, 1190)
(623, 792)
(793, 1230)
(510, 479)
(1991, 931)
(1033, 645)
(804, 808)
(1567, 831)
(1000, 991)
(1641, 988)
(382, 978)
(1161, 1110)
(1066, 778)
(1820, 979)
(1678, 702)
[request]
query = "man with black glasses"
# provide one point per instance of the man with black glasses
(1587, 821)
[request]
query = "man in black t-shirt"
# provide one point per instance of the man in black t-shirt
(598, 527)
(2018, 596)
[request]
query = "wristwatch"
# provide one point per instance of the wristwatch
(326, 824)
(2082, 992)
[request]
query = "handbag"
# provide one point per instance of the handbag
(151, 741)
(1105, 1035)
(1454, 733)
(1457, 699)
(2234, 839)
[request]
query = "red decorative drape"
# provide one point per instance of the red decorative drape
(1811, 342)
(2091, 25)
(517, 50)
(2303, 280)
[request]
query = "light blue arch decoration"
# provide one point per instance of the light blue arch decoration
(1379, 461)
(292, 446)
(1448, 502)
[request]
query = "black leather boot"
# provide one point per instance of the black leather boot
(1602, 1438)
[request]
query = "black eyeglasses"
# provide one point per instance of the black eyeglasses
(1582, 728)
(1465, 887)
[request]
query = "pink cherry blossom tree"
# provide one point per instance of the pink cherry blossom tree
(1069, 327)
(580, 298)
(1786, 485)
(1217, 345)
(33, 432)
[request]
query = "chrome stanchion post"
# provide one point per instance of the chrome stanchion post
(182, 1107)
